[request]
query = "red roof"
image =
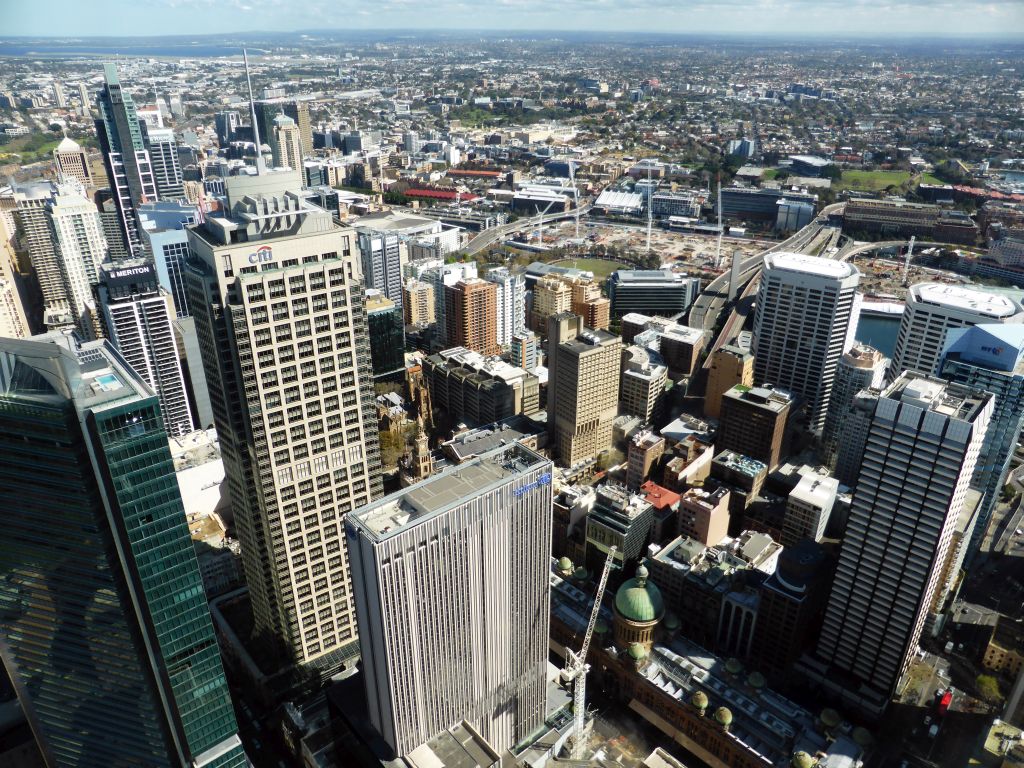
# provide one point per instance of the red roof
(658, 496)
(469, 172)
(440, 194)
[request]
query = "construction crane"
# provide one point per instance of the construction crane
(906, 261)
(540, 220)
(576, 666)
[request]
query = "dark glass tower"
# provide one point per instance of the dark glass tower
(103, 622)
(129, 168)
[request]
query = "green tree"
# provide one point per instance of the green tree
(988, 689)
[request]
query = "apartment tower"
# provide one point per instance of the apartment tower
(471, 309)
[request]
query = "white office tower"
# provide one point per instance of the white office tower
(804, 311)
(863, 367)
(451, 587)
(58, 95)
(438, 277)
(163, 157)
(921, 451)
(511, 304)
(80, 248)
(931, 310)
(13, 322)
(137, 317)
(381, 254)
(277, 297)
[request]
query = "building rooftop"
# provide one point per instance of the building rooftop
(815, 490)
(647, 277)
(770, 398)
(479, 441)
(937, 395)
(410, 506)
(809, 265)
(740, 463)
(863, 356)
(966, 299)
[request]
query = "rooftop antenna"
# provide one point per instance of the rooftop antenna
(260, 165)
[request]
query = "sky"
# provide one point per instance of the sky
(799, 18)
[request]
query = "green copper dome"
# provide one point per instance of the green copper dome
(639, 599)
(723, 716)
(802, 760)
(699, 700)
(565, 565)
(672, 621)
(756, 680)
(830, 718)
(636, 651)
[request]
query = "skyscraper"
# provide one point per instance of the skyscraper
(730, 365)
(990, 357)
(439, 277)
(13, 317)
(511, 303)
(753, 423)
(71, 162)
(286, 143)
(470, 314)
(583, 388)
(163, 155)
(166, 238)
(275, 291)
(225, 124)
(125, 156)
(387, 336)
(58, 95)
(137, 316)
(83, 96)
(106, 629)
(381, 254)
(863, 367)
(451, 586)
(853, 435)
(297, 110)
(81, 248)
(931, 310)
(921, 451)
(418, 302)
(804, 311)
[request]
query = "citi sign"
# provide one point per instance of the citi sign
(262, 256)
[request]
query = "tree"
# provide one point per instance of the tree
(988, 689)
(392, 447)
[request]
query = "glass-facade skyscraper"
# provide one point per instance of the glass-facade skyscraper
(990, 357)
(104, 625)
(129, 167)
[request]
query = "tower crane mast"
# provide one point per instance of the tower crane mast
(576, 664)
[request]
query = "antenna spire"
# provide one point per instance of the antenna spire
(260, 165)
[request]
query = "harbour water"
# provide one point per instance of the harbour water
(879, 331)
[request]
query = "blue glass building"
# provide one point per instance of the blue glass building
(990, 357)
(104, 625)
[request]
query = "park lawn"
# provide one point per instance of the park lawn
(31, 148)
(769, 173)
(927, 178)
(600, 267)
(873, 181)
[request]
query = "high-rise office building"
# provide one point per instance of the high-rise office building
(387, 336)
(277, 298)
(643, 385)
(163, 157)
(225, 124)
(166, 238)
(511, 303)
(457, 561)
(803, 317)
(286, 143)
(990, 357)
(583, 388)
(931, 310)
(298, 111)
(14, 323)
(730, 365)
(471, 315)
(137, 315)
(853, 435)
(863, 367)
(753, 423)
(922, 449)
(71, 162)
(58, 95)
(125, 155)
(381, 253)
(551, 296)
(106, 629)
(31, 219)
(83, 96)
